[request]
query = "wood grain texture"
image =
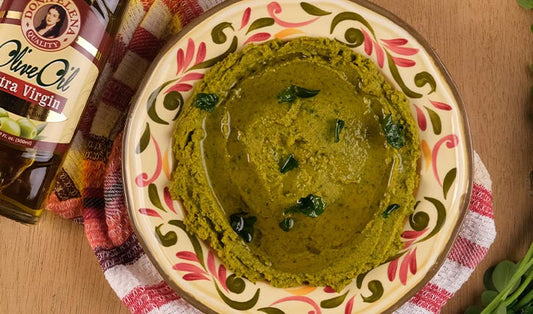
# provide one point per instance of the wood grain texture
(487, 47)
(50, 268)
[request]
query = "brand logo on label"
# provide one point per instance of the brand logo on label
(51, 25)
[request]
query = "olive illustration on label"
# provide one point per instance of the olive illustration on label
(27, 128)
(10, 126)
(3, 113)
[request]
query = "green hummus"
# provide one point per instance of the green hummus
(344, 137)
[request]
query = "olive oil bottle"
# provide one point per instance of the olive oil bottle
(51, 53)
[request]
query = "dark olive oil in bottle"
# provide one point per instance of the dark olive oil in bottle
(51, 53)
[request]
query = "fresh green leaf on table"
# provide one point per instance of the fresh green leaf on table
(509, 288)
(526, 4)
(502, 274)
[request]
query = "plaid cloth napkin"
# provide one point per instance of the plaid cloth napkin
(92, 193)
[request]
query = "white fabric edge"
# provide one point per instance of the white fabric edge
(124, 278)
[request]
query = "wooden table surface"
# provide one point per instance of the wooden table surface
(487, 46)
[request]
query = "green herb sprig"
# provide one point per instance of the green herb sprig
(509, 288)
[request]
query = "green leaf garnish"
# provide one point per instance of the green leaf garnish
(286, 224)
(474, 309)
(394, 132)
(243, 226)
(287, 95)
(339, 125)
(205, 101)
(293, 92)
(305, 93)
(509, 287)
(487, 279)
(311, 206)
(488, 296)
(502, 274)
(389, 210)
(288, 164)
(526, 4)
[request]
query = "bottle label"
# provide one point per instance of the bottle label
(48, 65)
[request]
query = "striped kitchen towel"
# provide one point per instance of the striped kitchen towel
(90, 191)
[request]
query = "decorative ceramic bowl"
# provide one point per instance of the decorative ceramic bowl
(408, 63)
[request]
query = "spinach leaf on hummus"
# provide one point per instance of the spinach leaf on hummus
(293, 92)
(394, 131)
(206, 101)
